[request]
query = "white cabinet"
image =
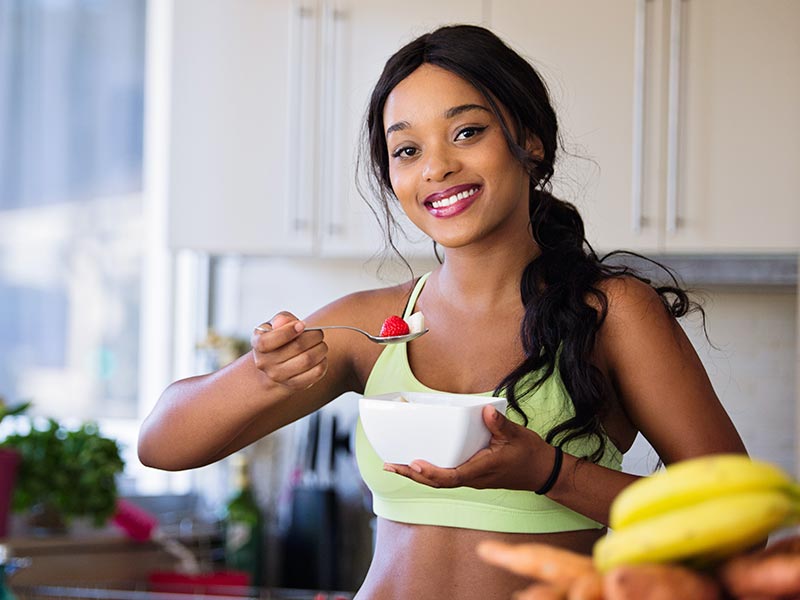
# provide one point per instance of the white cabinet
(266, 101)
(680, 117)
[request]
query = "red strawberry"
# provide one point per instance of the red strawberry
(393, 326)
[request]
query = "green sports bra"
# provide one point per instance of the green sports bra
(398, 498)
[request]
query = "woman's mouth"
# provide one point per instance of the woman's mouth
(452, 201)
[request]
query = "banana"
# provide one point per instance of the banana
(718, 527)
(694, 480)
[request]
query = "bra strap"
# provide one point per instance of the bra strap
(412, 299)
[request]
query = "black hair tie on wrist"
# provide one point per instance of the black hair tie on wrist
(553, 474)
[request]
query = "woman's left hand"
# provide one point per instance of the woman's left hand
(516, 459)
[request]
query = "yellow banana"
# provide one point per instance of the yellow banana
(717, 527)
(691, 481)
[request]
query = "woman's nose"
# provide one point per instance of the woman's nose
(438, 164)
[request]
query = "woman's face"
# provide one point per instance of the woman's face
(449, 163)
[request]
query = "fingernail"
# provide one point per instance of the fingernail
(389, 468)
(416, 467)
(495, 414)
(299, 327)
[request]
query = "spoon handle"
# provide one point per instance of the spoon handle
(397, 339)
(321, 327)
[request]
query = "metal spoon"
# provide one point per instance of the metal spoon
(389, 339)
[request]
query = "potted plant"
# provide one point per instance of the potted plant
(9, 463)
(65, 474)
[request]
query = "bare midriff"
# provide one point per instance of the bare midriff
(427, 562)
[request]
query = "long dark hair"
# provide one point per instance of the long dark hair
(564, 302)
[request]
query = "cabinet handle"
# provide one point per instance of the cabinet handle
(302, 141)
(674, 113)
(639, 81)
(332, 114)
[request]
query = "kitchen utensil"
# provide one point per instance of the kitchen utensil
(309, 551)
(391, 339)
(142, 526)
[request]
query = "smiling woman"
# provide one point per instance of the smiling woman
(463, 137)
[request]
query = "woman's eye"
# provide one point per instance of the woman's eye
(468, 132)
(404, 152)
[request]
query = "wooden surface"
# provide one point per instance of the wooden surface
(97, 558)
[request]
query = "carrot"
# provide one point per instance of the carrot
(761, 574)
(541, 591)
(658, 582)
(542, 562)
(586, 587)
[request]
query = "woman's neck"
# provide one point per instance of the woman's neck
(483, 277)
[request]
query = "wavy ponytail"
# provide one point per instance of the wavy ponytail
(564, 309)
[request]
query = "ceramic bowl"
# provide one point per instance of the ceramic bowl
(443, 429)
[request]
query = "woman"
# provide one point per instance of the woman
(463, 137)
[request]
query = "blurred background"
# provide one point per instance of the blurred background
(173, 172)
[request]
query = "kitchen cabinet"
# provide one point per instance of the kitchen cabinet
(265, 100)
(679, 116)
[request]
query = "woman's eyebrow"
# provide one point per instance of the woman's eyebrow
(399, 126)
(449, 114)
(462, 108)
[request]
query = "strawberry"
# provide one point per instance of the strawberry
(393, 326)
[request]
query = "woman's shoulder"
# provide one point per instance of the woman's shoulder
(629, 297)
(637, 318)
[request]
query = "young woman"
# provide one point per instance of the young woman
(463, 137)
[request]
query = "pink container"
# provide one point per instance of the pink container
(9, 463)
(219, 583)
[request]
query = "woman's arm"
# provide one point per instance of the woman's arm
(288, 374)
(202, 419)
(662, 387)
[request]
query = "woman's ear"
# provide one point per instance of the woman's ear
(535, 147)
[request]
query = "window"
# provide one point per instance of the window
(71, 209)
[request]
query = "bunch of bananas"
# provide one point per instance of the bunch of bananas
(698, 511)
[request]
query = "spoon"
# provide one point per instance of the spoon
(389, 339)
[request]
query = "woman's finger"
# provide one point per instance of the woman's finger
(274, 339)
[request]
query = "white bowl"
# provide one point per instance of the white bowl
(443, 429)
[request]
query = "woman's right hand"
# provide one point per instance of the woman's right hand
(289, 356)
(201, 419)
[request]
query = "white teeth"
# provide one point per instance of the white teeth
(449, 201)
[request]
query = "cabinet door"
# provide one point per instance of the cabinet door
(738, 154)
(365, 33)
(592, 56)
(230, 171)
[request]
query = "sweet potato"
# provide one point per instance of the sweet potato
(541, 591)
(761, 574)
(541, 562)
(658, 582)
(586, 587)
(786, 545)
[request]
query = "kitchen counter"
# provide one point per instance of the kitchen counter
(133, 593)
(98, 557)
(723, 270)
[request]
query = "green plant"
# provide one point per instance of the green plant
(71, 472)
(10, 411)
